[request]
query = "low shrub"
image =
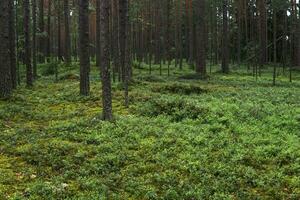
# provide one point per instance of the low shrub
(176, 108)
(49, 69)
(180, 88)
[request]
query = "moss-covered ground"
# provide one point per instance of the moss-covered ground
(227, 137)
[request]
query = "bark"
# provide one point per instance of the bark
(168, 39)
(191, 28)
(105, 61)
(5, 67)
(59, 53)
(12, 44)
(298, 42)
(263, 31)
(201, 29)
(225, 40)
(67, 32)
(49, 30)
(116, 40)
(27, 44)
(124, 45)
(98, 28)
(84, 54)
(34, 47)
(41, 31)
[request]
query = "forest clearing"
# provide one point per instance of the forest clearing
(149, 99)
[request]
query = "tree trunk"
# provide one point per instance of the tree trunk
(191, 28)
(124, 46)
(225, 40)
(5, 67)
(49, 30)
(68, 59)
(27, 44)
(84, 55)
(59, 53)
(298, 41)
(275, 44)
(98, 28)
(168, 39)
(41, 31)
(263, 31)
(34, 31)
(201, 30)
(105, 61)
(115, 40)
(12, 44)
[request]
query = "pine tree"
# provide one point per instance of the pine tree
(84, 55)
(5, 66)
(105, 61)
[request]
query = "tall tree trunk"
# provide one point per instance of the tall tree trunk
(124, 46)
(84, 54)
(59, 53)
(12, 44)
(298, 41)
(98, 28)
(105, 61)
(201, 30)
(115, 40)
(239, 31)
(27, 44)
(263, 31)
(67, 33)
(41, 31)
(225, 39)
(34, 31)
(5, 66)
(191, 28)
(274, 44)
(49, 34)
(168, 39)
(17, 42)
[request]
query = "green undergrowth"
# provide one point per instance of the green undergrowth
(225, 137)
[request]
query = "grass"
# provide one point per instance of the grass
(227, 137)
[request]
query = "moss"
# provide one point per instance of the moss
(226, 137)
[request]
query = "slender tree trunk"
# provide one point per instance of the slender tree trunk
(116, 40)
(17, 44)
(12, 44)
(105, 61)
(34, 46)
(298, 41)
(98, 29)
(191, 28)
(27, 44)
(84, 47)
(5, 65)
(49, 30)
(225, 40)
(124, 46)
(59, 53)
(263, 31)
(68, 59)
(275, 44)
(239, 32)
(168, 39)
(201, 30)
(41, 31)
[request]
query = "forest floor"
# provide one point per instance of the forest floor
(228, 137)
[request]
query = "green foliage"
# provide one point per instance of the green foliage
(175, 107)
(227, 138)
(49, 69)
(179, 88)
